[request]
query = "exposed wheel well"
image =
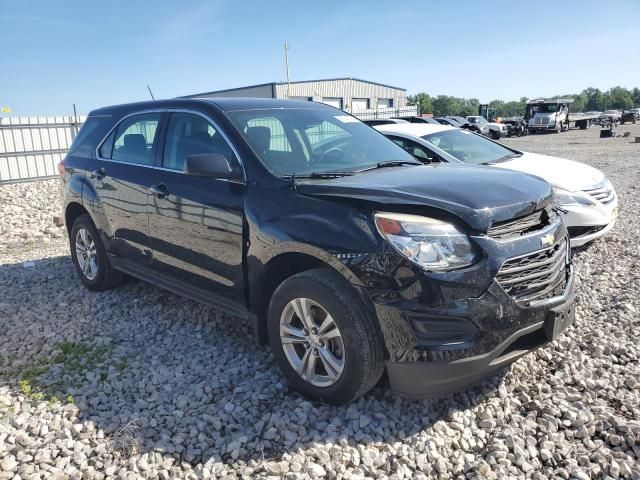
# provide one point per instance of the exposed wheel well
(277, 271)
(73, 211)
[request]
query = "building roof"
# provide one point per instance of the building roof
(292, 83)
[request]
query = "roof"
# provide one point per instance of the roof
(416, 129)
(291, 83)
(225, 104)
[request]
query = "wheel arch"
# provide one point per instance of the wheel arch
(71, 213)
(280, 267)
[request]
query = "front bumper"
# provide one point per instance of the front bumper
(433, 379)
(587, 223)
(444, 331)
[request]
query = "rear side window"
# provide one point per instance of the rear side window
(92, 131)
(134, 140)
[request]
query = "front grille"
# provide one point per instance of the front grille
(603, 193)
(536, 276)
(523, 225)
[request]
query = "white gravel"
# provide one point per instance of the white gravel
(140, 383)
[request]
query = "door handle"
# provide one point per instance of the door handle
(159, 191)
(98, 173)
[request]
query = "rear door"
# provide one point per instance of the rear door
(196, 223)
(122, 175)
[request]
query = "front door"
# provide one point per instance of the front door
(196, 223)
(122, 175)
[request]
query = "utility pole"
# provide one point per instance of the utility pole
(286, 64)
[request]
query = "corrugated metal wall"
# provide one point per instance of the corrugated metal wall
(260, 91)
(347, 89)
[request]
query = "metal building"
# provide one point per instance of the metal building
(362, 98)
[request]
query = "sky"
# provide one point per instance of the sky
(57, 53)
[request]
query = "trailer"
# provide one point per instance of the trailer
(553, 115)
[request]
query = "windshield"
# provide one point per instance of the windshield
(469, 147)
(302, 141)
(547, 108)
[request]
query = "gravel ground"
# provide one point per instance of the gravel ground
(140, 383)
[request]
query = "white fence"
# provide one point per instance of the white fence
(386, 112)
(31, 147)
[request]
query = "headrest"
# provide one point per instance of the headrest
(260, 137)
(135, 141)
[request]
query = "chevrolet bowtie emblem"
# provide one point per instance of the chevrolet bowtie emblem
(547, 239)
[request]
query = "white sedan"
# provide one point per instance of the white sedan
(584, 196)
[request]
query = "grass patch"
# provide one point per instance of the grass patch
(71, 361)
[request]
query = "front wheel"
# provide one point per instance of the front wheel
(495, 135)
(326, 342)
(90, 258)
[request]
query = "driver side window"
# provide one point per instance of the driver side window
(414, 148)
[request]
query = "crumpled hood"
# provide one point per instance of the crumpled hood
(477, 195)
(559, 172)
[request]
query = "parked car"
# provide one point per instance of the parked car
(462, 121)
(423, 120)
(490, 129)
(610, 116)
(448, 121)
(347, 255)
(383, 121)
(516, 126)
(586, 199)
(629, 116)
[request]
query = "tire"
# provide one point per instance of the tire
(558, 128)
(358, 346)
(494, 135)
(96, 273)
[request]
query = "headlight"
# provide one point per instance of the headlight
(566, 198)
(427, 242)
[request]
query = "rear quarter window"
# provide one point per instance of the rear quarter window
(91, 133)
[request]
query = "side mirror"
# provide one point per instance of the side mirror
(213, 165)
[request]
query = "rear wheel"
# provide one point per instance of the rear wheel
(90, 258)
(326, 343)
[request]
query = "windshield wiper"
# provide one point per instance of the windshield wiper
(390, 163)
(294, 176)
(502, 159)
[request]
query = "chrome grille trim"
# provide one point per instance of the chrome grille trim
(538, 275)
(603, 193)
(523, 225)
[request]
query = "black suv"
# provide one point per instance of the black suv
(347, 255)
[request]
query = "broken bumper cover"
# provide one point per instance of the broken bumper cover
(588, 223)
(442, 370)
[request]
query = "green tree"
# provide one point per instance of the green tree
(423, 100)
(620, 98)
(446, 105)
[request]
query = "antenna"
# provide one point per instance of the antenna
(150, 92)
(286, 64)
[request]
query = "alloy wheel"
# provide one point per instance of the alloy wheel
(312, 342)
(86, 254)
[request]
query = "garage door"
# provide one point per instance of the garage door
(359, 104)
(334, 102)
(385, 102)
